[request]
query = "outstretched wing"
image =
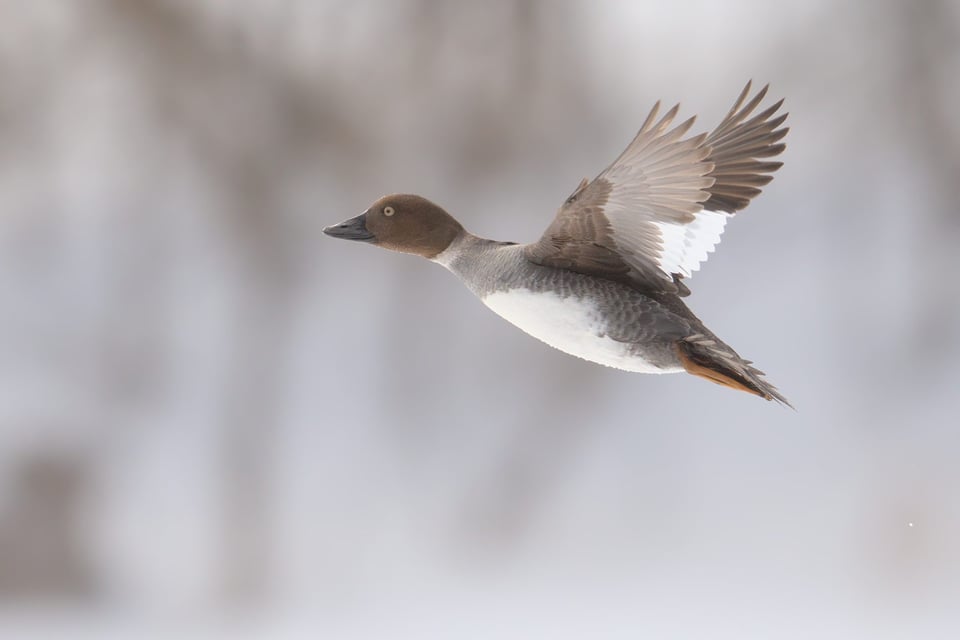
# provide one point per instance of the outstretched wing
(655, 213)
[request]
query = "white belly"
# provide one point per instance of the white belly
(572, 325)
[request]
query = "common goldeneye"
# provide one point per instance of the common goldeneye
(605, 282)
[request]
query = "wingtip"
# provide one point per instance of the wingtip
(744, 93)
(651, 117)
(685, 126)
(669, 116)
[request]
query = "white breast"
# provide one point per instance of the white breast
(572, 325)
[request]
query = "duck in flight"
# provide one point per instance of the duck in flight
(605, 282)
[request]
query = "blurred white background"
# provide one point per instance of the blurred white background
(217, 422)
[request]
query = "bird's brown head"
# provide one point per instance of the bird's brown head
(401, 222)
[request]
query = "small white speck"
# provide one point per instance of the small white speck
(909, 524)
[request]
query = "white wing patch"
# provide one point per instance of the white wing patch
(674, 247)
(685, 246)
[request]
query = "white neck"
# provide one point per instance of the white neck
(454, 249)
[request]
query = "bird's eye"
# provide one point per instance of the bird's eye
(388, 211)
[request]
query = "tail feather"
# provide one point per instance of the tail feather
(710, 358)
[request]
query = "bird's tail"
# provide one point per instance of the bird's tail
(709, 358)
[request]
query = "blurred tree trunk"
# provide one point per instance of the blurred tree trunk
(41, 556)
(926, 76)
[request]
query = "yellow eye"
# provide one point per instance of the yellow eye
(388, 211)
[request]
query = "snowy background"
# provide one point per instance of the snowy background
(217, 422)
